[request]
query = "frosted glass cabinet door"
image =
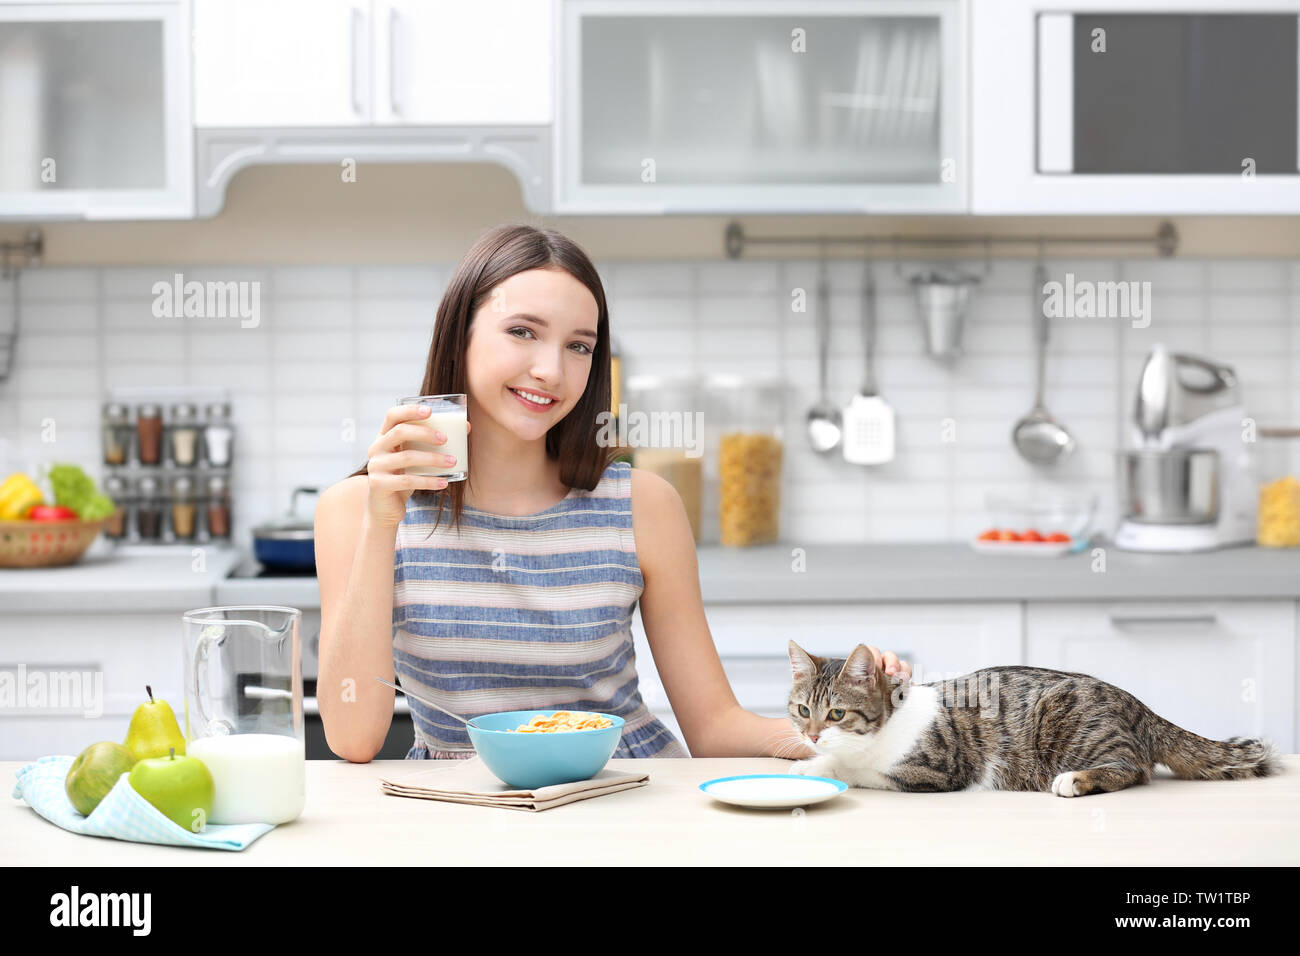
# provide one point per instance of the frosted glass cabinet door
(718, 106)
(95, 111)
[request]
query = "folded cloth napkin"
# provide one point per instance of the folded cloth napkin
(123, 814)
(470, 781)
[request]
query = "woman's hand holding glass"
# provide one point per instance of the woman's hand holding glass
(389, 486)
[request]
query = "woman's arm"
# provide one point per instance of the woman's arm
(354, 564)
(672, 610)
(356, 537)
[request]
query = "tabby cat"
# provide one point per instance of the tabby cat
(999, 728)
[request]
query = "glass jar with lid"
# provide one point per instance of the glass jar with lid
(183, 508)
(217, 500)
(117, 433)
(115, 490)
(218, 435)
(149, 429)
(183, 435)
(745, 416)
(1277, 464)
(148, 509)
(665, 428)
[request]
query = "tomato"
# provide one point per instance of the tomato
(51, 513)
(1058, 536)
(990, 535)
(1031, 535)
(1008, 536)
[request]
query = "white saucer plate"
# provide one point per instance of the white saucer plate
(773, 790)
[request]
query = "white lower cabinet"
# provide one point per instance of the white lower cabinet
(1219, 669)
(938, 640)
(74, 679)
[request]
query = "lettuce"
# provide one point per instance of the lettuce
(75, 489)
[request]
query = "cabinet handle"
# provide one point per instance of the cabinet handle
(1122, 621)
(356, 63)
(393, 17)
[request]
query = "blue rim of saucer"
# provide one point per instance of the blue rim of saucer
(840, 785)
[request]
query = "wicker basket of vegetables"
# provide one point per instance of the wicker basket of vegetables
(37, 534)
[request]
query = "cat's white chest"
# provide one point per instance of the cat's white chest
(865, 763)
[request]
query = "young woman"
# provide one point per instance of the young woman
(514, 589)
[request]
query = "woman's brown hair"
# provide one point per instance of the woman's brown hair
(497, 255)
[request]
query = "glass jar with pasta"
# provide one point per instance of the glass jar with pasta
(1279, 488)
(746, 441)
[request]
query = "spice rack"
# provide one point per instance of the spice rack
(167, 456)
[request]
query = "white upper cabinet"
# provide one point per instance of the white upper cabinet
(1170, 107)
(281, 63)
(461, 63)
(334, 63)
(95, 116)
(761, 106)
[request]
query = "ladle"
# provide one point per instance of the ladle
(824, 423)
(1038, 437)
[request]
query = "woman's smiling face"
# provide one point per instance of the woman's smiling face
(536, 332)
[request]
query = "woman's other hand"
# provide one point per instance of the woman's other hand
(892, 665)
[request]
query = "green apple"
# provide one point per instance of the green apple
(178, 786)
(153, 731)
(95, 772)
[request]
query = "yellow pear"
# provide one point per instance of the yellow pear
(153, 731)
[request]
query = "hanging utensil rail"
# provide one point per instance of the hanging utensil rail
(1165, 240)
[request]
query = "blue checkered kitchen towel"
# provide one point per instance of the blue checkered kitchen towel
(123, 814)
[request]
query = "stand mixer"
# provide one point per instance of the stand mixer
(1188, 482)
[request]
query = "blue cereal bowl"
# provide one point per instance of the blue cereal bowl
(529, 761)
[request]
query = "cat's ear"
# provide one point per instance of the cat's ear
(802, 665)
(860, 667)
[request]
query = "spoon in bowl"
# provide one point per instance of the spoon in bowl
(425, 700)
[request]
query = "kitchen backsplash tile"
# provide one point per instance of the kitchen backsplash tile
(334, 346)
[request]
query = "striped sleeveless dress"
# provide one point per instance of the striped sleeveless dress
(522, 612)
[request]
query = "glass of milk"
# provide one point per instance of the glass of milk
(244, 710)
(450, 415)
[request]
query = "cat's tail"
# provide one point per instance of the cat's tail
(1198, 758)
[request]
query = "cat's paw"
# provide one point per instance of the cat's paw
(1064, 785)
(820, 766)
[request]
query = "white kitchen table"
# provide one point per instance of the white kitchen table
(348, 821)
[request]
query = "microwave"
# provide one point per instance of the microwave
(1159, 108)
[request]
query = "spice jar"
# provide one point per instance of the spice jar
(117, 433)
(218, 502)
(115, 489)
(664, 427)
(148, 509)
(183, 434)
(745, 436)
(184, 508)
(218, 435)
(149, 429)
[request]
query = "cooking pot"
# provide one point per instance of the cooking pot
(289, 543)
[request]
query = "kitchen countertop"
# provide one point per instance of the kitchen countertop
(133, 580)
(957, 572)
(349, 821)
(834, 573)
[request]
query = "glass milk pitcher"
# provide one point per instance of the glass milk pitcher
(243, 710)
